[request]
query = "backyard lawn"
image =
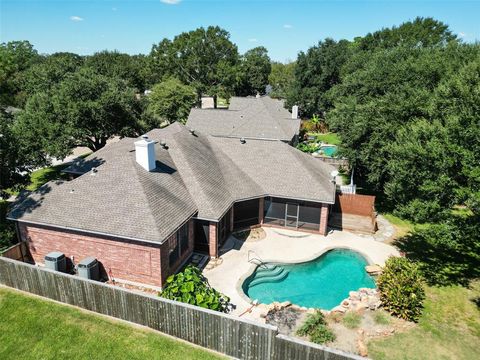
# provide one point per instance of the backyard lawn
(329, 138)
(448, 329)
(32, 328)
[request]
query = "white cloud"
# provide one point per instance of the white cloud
(171, 2)
(114, 9)
(252, 40)
(287, 26)
(76, 18)
(462, 34)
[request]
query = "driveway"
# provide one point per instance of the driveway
(284, 246)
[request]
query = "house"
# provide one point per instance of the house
(250, 118)
(141, 206)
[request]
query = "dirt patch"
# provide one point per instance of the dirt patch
(249, 235)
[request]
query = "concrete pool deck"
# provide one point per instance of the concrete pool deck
(284, 246)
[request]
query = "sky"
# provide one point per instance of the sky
(284, 27)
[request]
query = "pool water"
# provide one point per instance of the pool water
(322, 283)
(329, 151)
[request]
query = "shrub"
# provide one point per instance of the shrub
(352, 320)
(191, 287)
(316, 328)
(401, 288)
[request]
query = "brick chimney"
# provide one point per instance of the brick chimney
(145, 153)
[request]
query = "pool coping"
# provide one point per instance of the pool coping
(253, 267)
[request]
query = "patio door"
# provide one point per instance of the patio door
(291, 215)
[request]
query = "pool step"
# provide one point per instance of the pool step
(266, 276)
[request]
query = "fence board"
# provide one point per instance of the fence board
(216, 331)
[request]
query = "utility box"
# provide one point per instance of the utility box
(56, 261)
(88, 269)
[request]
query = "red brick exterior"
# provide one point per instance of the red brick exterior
(213, 240)
(138, 262)
(323, 219)
(261, 207)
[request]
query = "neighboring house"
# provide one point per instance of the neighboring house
(250, 118)
(141, 206)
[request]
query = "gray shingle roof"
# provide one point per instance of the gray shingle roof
(248, 117)
(197, 174)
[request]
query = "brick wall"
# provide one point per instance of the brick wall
(323, 219)
(261, 207)
(125, 260)
(213, 240)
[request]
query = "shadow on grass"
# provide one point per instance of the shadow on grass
(448, 253)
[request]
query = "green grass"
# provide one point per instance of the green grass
(449, 328)
(381, 317)
(42, 176)
(31, 328)
(352, 320)
(329, 138)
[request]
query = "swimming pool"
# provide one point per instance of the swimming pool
(322, 283)
(329, 150)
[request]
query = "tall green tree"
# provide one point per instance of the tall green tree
(281, 78)
(85, 109)
(254, 69)
(53, 69)
(119, 65)
(421, 32)
(171, 101)
(15, 57)
(205, 59)
(316, 72)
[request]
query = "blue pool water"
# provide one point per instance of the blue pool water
(329, 151)
(322, 283)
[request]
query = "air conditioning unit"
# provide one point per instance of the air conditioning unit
(88, 269)
(56, 261)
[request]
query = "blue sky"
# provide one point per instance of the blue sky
(284, 27)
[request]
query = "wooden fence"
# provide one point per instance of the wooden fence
(224, 333)
(17, 252)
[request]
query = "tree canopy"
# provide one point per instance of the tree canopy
(205, 59)
(254, 69)
(171, 101)
(85, 109)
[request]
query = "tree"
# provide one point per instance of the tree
(42, 76)
(123, 66)
(205, 59)
(255, 67)
(281, 78)
(421, 32)
(171, 100)
(15, 57)
(316, 72)
(85, 109)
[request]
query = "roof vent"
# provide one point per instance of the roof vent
(163, 144)
(192, 131)
(242, 140)
(94, 171)
(145, 153)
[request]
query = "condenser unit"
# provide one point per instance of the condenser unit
(88, 269)
(56, 261)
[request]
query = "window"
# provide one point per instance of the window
(181, 245)
(245, 213)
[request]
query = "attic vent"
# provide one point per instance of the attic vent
(242, 140)
(163, 144)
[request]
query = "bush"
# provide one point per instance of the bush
(401, 288)
(315, 327)
(191, 287)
